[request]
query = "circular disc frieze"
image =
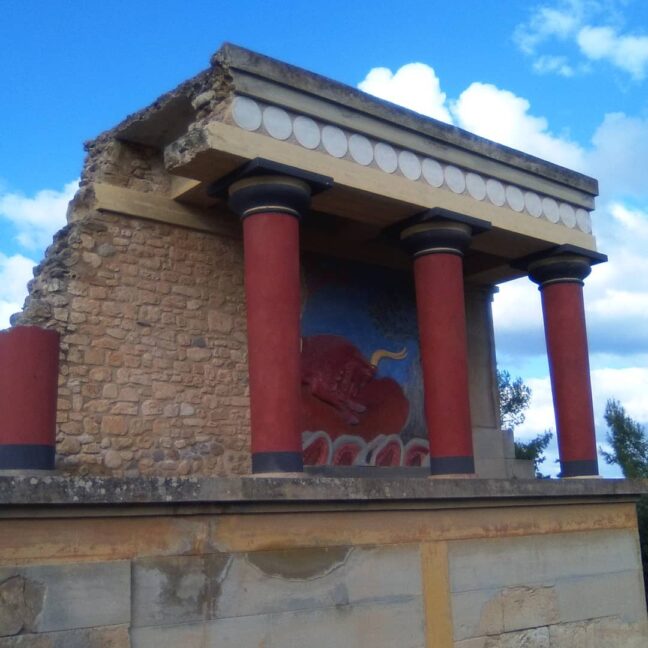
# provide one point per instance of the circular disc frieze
(386, 157)
(455, 179)
(432, 172)
(335, 141)
(409, 165)
(495, 192)
(550, 210)
(307, 132)
(277, 122)
(583, 220)
(246, 113)
(533, 204)
(514, 198)
(567, 214)
(361, 149)
(476, 186)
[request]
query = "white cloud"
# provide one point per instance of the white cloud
(37, 218)
(15, 272)
(549, 22)
(504, 117)
(482, 109)
(414, 86)
(553, 65)
(627, 52)
(618, 155)
(593, 27)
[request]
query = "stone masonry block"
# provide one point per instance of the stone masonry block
(379, 625)
(69, 596)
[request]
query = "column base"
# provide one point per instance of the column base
(452, 466)
(27, 457)
(277, 462)
(580, 468)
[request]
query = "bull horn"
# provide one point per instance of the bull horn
(377, 356)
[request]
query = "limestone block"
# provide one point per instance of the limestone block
(588, 597)
(20, 603)
(107, 637)
(278, 581)
(488, 468)
(172, 590)
(599, 633)
(70, 596)
(520, 469)
(177, 589)
(533, 638)
(379, 625)
(540, 559)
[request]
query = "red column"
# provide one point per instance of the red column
(28, 394)
(272, 287)
(561, 285)
(270, 198)
(437, 248)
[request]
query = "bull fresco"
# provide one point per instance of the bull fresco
(361, 377)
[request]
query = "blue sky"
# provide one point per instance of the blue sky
(562, 79)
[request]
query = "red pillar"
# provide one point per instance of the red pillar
(437, 248)
(560, 279)
(272, 287)
(28, 394)
(270, 198)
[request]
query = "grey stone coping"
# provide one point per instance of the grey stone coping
(54, 491)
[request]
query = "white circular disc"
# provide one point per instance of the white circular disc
(335, 141)
(495, 192)
(277, 122)
(307, 132)
(476, 186)
(550, 210)
(567, 214)
(514, 198)
(583, 220)
(455, 179)
(361, 149)
(386, 157)
(246, 113)
(432, 172)
(533, 203)
(410, 165)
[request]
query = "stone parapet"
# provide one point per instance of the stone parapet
(18, 491)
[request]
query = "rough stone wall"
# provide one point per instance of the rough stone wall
(153, 376)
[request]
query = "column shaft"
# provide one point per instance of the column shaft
(566, 336)
(272, 287)
(443, 345)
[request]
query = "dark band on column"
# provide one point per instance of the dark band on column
(27, 457)
(452, 465)
(277, 462)
(580, 468)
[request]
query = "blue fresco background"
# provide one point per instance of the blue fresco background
(374, 308)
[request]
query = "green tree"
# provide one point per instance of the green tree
(514, 399)
(628, 441)
(629, 444)
(534, 450)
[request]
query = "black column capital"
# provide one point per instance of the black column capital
(562, 264)
(266, 186)
(438, 231)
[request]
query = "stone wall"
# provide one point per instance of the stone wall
(153, 373)
(236, 563)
